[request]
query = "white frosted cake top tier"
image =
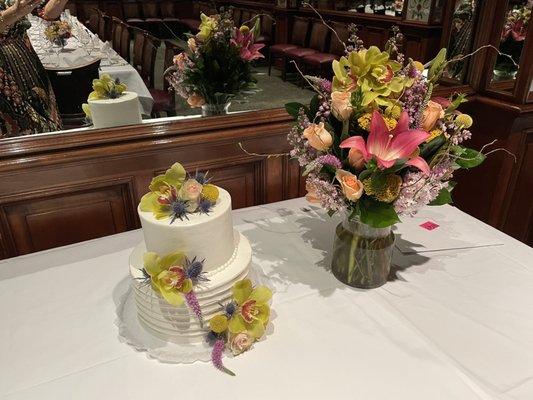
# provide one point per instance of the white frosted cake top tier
(205, 236)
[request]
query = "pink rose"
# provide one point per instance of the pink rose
(240, 343)
(351, 186)
(181, 61)
(432, 114)
(356, 158)
(318, 136)
(195, 100)
(341, 105)
(191, 191)
(311, 195)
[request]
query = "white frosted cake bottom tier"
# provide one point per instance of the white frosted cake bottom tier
(179, 324)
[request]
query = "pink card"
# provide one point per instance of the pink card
(428, 225)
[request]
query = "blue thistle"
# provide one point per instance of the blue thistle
(178, 210)
(230, 309)
(211, 338)
(202, 178)
(194, 270)
(204, 206)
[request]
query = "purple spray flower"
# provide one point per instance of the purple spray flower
(193, 304)
(216, 357)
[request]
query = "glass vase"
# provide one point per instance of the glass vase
(362, 255)
(209, 110)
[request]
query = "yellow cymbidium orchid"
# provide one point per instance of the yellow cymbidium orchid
(373, 73)
(168, 276)
(253, 311)
(107, 88)
(207, 26)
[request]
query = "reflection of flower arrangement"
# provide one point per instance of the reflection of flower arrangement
(172, 195)
(374, 143)
(217, 65)
(242, 322)
(104, 88)
(517, 22)
(174, 276)
(58, 32)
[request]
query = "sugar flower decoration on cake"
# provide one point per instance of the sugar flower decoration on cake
(104, 88)
(175, 196)
(174, 277)
(242, 322)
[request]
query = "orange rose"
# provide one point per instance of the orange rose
(341, 105)
(311, 195)
(318, 136)
(432, 114)
(180, 61)
(356, 159)
(192, 44)
(351, 186)
(195, 100)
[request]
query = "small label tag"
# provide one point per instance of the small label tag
(428, 225)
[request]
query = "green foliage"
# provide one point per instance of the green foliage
(377, 214)
(428, 150)
(437, 66)
(470, 158)
(456, 102)
(444, 197)
(293, 109)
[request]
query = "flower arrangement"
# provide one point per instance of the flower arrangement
(242, 322)
(173, 196)
(217, 65)
(104, 88)
(174, 277)
(58, 32)
(517, 22)
(374, 142)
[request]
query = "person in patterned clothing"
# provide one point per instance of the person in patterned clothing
(27, 101)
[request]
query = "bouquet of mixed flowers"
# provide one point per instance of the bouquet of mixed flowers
(217, 65)
(374, 142)
(517, 22)
(58, 32)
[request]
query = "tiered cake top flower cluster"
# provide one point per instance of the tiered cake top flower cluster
(58, 32)
(374, 142)
(217, 65)
(174, 196)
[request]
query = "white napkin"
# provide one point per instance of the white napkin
(432, 229)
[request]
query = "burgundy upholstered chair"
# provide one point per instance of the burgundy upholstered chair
(116, 36)
(237, 16)
(317, 43)
(125, 42)
(132, 13)
(147, 72)
(321, 62)
(138, 48)
(298, 39)
(266, 36)
(168, 11)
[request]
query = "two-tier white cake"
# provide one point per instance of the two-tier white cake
(208, 237)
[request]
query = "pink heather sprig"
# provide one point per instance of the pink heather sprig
(193, 304)
(327, 193)
(216, 356)
(331, 160)
(414, 97)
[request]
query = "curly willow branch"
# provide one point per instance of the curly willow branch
(307, 4)
(274, 155)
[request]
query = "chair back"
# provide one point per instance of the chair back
(105, 30)
(94, 22)
(69, 101)
(267, 24)
(246, 17)
(151, 45)
(319, 37)
(131, 10)
(237, 16)
(335, 46)
(300, 28)
(205, 8)
(113, 9)
(87, 8)
(72, 7)
(116, 37)
(125, 42)
(138, 48)
(168, 10)
(150, 9)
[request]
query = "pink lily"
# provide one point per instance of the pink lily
(248, 50)
(389, 146)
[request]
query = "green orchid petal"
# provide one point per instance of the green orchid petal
(264, 313)
(149, 202)
(261, 295)
(161, 213)
(186, 287)
(369, 97)
(242, 291)
(256, 329)
(151, 262)
(237, 324)
(175, 175)
(173, 259)
(172, 296)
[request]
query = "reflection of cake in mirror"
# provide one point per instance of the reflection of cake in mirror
(110, 105)
(123, 110)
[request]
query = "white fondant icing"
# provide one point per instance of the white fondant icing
(204, 236)
(108, 113)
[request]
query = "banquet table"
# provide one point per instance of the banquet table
(75, 55)
(452, 324)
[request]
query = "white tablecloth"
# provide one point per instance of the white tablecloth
(455, 324)
(74, 55)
